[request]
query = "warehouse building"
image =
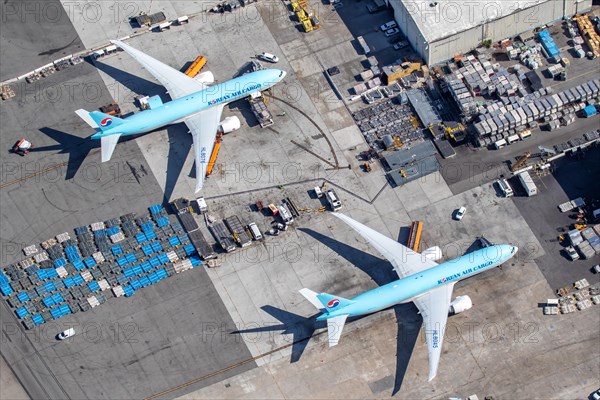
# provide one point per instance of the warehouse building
(439, 30)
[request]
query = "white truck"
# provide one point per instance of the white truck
(334, 200)
(528, 184)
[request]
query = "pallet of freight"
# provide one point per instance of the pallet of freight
(62, 272)
(39, 257)
(96, 226)
(30, 250)
(98, 257)
(580, 284)
(63, 237)
(48, 243)
(87, 276)
(582, 305)
(93, 301)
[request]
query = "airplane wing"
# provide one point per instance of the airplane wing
(434, 306)
(405, 261)
(203, 127)
(177, 83)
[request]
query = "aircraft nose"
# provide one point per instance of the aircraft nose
(514, 249)
(282, 74)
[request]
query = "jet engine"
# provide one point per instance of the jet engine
(433, 253)
(205, 77)
(460, 304)
(229, 124)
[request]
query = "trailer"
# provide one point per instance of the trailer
(223, 238)
(143, 20)
(240, 235)
(260, 110)
(204, 249)
(528, 184)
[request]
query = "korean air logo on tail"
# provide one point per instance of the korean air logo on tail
(333, 303)
(106, 122)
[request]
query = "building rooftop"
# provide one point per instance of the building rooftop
(439, 19)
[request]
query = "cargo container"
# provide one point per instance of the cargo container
(575, 237)
(527, 182)
(589, 111)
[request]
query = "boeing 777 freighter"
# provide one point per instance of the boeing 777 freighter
(428, 284)
(193, 102)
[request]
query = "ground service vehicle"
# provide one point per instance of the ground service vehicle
(460, 213)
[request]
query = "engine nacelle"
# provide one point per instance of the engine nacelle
(205, 77)
(460, 304)
(433, 253)
(229, 124)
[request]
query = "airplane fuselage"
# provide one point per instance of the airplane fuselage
(183, 107)
(410, 287)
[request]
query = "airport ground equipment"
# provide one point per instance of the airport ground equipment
(196, 66)
(22, 147)
(521, 161)
(240, 235)
(80, 271)
(111, 109)
(306, 15)
(414, 236)
(258, 105)
(224, 238)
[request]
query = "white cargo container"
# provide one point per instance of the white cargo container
(528, 184)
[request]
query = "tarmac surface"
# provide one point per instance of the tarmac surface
(242, 330)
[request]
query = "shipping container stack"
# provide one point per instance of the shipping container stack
(106, 259)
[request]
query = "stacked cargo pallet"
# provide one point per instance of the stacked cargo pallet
(508, 116)
(591, 38)
(72, 275)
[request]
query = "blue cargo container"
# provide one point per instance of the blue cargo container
(549, 44)
(589, 111)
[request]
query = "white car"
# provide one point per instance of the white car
(573, 255)
(269, 57)
(66, 334)
(392, 32)
(388, 25)
(460, 213)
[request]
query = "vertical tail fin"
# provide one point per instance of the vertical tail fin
(99, 120)
(105, 121)
(325, 301)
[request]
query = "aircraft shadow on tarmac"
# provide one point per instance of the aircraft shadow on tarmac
(79, 148)
(303, 328)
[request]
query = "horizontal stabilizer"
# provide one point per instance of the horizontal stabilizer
(335, 326)
(108, 144)
(312, 298)
(85, 115)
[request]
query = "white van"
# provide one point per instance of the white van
(255, 231)
(318, 192)
(202, 207)
(505, 187)
(269, 57)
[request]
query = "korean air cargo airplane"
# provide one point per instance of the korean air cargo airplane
(423, 281)
(193, 102)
